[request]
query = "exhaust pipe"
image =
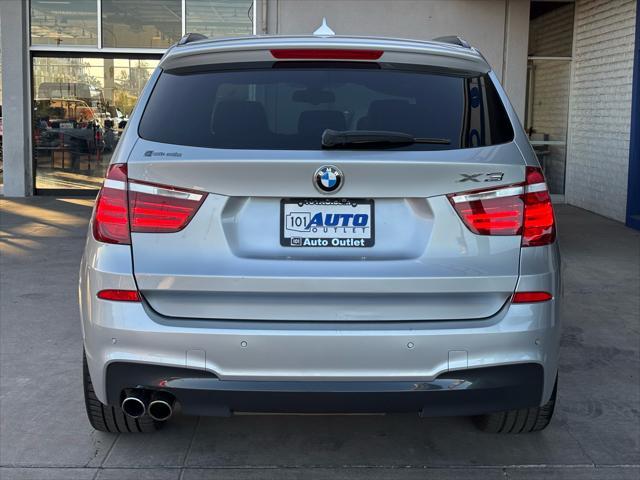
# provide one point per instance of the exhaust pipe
(134, 404)
(161, 406)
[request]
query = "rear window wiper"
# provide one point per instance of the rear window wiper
(374, 138)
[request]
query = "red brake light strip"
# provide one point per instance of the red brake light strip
(325, 54)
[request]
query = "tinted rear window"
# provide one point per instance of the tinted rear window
(289, 108)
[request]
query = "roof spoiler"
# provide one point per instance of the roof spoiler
(191, 37)
(453, 40)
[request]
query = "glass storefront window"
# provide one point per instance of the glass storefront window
(82, 103)
(547, 117)
(219, 18)
(71, 22)
(141, 24)
(80, 108)
(548, 84)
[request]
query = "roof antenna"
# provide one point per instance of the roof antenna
(324, 30)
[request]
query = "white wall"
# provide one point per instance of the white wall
(600, 107)
(499, 28)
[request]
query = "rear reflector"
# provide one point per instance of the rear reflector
(325, 54)
(124, 206)
(524, 209)
(119, 295)
(531, 297)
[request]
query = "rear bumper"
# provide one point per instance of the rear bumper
(465, 392)
(438, 368)
(241, 358)
(236, 352)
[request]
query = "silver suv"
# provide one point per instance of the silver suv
(322, 224)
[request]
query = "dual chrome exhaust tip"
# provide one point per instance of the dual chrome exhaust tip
(159, 405)
(160, 409)
(133, 406)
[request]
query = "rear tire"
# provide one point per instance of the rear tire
(107, 418)
(524, 420)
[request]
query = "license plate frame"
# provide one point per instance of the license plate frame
(349, 236)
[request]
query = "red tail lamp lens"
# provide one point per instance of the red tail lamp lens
(539, 223)
(325, 54)
(523, 209)
(531, 297)
(110, 217)
(161, 209)
(125, 206)
(492, 216)
(119, 295)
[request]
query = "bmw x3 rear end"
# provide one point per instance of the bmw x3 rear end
(321, 225)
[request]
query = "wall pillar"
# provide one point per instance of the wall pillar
(16, 104)
(633, 192)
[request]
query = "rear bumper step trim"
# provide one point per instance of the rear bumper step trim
(462, 392)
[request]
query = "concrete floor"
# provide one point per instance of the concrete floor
(44, 433)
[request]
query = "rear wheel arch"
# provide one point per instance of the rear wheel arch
(109, 418)
(523, 420)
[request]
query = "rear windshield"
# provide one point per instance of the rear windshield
(289, 108)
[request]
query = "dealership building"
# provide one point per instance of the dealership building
(72, 71)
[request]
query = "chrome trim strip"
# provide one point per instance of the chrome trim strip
(165, 192)
(115, 184)
(536, 187)
(498, 193)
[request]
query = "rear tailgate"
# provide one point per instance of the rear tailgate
(229, 263)
(249, 136)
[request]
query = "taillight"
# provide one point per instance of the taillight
(325, 54)
(539, 224)
(493, 212)
(119, 295)
(531, 297)
(124, 206)
(111, 217)
(161, 209)
(523, 209)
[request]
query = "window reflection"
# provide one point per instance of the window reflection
(80, 108)
(71, 22)
(547, 117)
(217, 18)
(148, 24)
(548, 82)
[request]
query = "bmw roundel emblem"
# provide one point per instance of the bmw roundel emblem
(328, 179)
